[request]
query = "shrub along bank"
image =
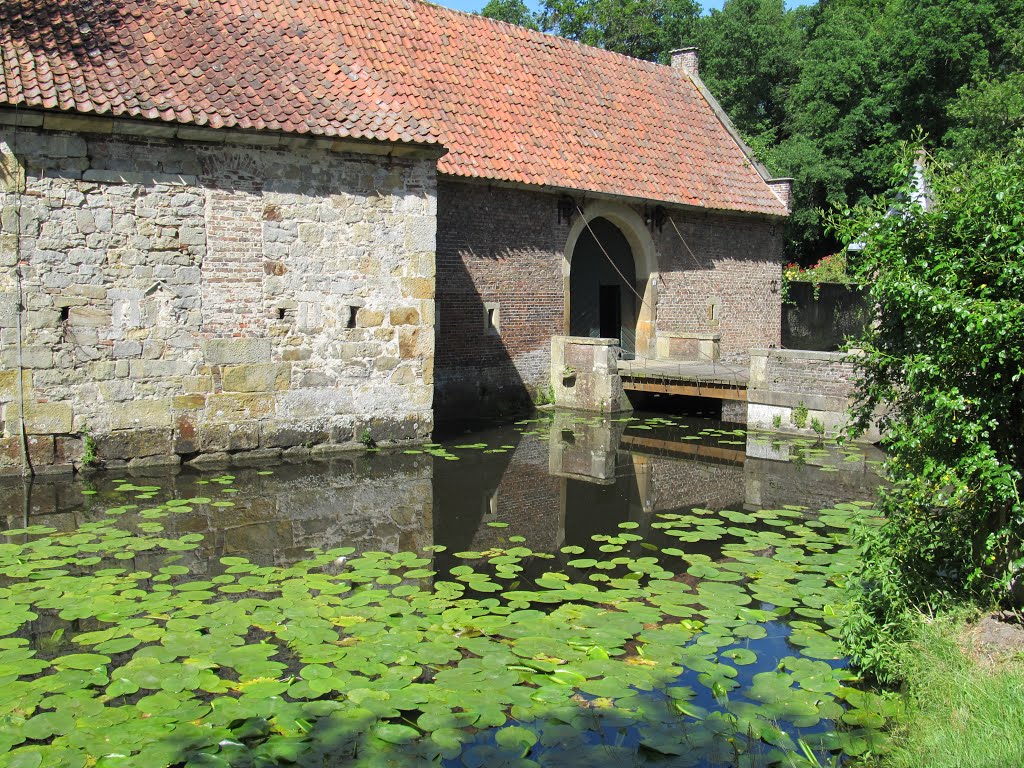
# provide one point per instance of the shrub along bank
(944, 359)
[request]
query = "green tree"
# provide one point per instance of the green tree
(749, 59)
(512, 11)
(836, 136)
(932, 48)
(987, 115)
(943, 361)
(643, 29)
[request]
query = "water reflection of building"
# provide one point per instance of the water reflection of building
(782, 472)
(383, 503)
(586, 475)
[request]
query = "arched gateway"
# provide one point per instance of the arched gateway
(610, 277)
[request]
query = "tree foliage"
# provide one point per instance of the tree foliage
(511, 11)
(643, 29)
(944, 362)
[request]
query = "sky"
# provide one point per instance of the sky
(476, 5)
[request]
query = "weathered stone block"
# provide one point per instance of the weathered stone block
(41, 319)
(202, 383)
(238, 407)
(8, 249)
(261, 377)
(417, 287)
(67, 449)
(385, 430)
(40, 418)
(117, 391)
(188, 402)
(53, 121)
(405, 316)
(140, 414)
(133, 443)
(403, 376)
(32, 356)
(9, 384)
(8, 309)
(186, 435)
(12, 172)
(412, 343)
(88, 317)
(236, 351)
(229, 437)
(297, 354)
(40, 451)
(214, 460)
(369, 318)
(124, 349)
(281, 436)
(40, 454)
(160, 369)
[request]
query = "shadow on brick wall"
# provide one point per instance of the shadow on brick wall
(474, 373)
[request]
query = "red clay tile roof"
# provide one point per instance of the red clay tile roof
(508, 103)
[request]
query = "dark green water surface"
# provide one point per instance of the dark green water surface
(562, 591)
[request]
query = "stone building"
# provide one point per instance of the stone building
(249, 227)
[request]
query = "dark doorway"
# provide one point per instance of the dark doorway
(610, 311)
(602, 286)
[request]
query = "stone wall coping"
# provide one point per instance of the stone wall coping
(127, 127)
(803, 354)
(700, 336)
(591, 341)
(826, 403)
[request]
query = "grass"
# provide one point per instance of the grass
(963, 711)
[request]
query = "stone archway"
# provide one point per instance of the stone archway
(600, 297)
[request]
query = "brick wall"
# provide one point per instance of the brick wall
(504, 247)
(186, 297)
(736, 260)
(680, 485)
(495, 246)
(794, 390)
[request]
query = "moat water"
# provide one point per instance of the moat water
(562, 590)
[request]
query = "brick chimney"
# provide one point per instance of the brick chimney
(686, 58)
(783, 189)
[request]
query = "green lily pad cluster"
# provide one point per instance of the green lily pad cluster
(624, 654)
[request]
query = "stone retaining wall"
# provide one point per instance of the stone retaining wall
(793, 391)
(184, 298)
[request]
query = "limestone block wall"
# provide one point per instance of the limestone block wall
(585, 374)
(182, 298)
(501, 286)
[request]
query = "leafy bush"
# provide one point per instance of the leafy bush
(799, 416)
(944, 360)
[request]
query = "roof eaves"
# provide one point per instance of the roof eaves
(612, 196)
(130, 125)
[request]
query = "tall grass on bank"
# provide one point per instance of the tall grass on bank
(961, 712)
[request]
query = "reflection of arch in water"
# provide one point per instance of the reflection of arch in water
(598, 300)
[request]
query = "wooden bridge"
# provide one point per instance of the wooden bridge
(716, 380)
